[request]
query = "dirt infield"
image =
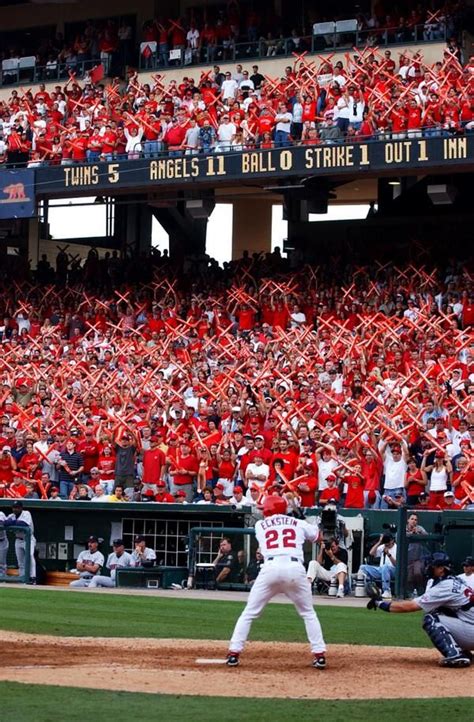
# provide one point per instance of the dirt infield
(267, 670)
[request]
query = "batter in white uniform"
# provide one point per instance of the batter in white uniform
(280, 538)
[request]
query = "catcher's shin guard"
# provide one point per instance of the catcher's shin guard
(442, 639)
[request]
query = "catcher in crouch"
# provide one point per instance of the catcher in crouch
(280, 539)
(448, 604)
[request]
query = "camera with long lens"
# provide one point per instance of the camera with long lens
(328, 523)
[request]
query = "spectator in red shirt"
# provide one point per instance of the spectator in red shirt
(184, 471)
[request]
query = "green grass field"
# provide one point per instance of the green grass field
(114, 615)
(34, 703)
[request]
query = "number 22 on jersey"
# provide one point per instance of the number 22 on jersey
(280, 538)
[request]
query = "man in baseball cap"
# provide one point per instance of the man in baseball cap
(448, 620)
(89, 563)
(468, 572)
(118, 559)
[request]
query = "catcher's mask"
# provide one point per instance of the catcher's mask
(437, 559)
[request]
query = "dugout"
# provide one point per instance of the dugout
(62, 528)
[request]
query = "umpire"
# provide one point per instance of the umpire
(448, 604)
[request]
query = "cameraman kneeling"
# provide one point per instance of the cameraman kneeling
(331, 563)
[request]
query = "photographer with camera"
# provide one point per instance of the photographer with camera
(331, 524)
(384, 549)
(330, 563)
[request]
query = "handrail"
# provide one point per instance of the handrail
(271, 48)
(259, 49)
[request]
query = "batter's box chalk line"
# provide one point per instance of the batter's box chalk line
(210, 660)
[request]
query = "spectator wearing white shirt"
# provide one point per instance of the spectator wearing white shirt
(229, 87)
(246, 85)
(225, 133)
(356, 110)
(192, 41)
(239, 73)
(206, 497)
(257, 472)
(298, 318)
(297, 118)
(338, 77)
(412, 311)
(343, 112)
(23, 322)
(192, 37)
(395, 457)
(283, 121)
(238, 500)
(134, 142)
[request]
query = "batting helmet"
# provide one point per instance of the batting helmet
(274, 505)
(437, 559)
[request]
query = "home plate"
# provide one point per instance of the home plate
(210, 660)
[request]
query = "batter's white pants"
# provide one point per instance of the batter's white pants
(279, 577)
(101, 581)
(20, 555)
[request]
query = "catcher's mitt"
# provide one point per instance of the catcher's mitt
(374, 594)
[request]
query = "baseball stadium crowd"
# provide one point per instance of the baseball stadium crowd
(350, 385)
(371, 95)
(210, 34)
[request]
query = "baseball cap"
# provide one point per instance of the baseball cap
(139, 538)
(118, 543)
(238, 490)
(161, 483)
(448, 494)
(468, 562)
(219, 486)
(180, 494)
(422, 495)
(7, 448)
(93, 538)
(331, 477)
(439, 454)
